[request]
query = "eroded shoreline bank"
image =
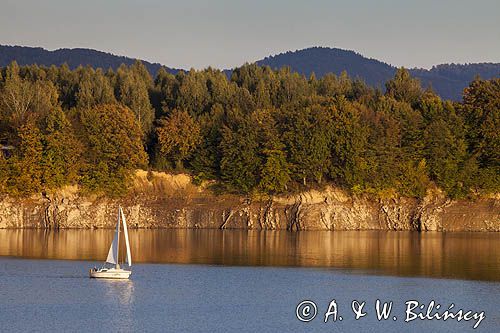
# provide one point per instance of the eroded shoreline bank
(172, 201)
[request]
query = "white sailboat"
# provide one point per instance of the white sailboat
(115, 272)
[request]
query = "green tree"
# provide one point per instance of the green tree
(307, 134)
(205, 161)
(193, 93)
(383, 150)
(240, 162)
(21, 100)
(445, 146)
(66, 82)
(275, 172)
(132, 90)
(165, 91)
(93, 89)
(481, 111)
(403, 87)
(348, 144)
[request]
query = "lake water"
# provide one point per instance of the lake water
(248, 281)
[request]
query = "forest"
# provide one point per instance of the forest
(261, 131)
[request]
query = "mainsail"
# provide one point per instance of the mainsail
(113, 250)
(125, 231)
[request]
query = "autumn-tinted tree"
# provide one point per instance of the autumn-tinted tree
(178, 135)
(25, 167)
(113, 147)
(61, 151)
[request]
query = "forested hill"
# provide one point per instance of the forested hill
(321, 60)
(447, 80)
(24, 55)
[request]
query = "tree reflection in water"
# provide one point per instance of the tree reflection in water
(451, 255)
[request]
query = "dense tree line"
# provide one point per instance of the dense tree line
(260, 131)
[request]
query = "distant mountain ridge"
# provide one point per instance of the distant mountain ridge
(448, 80)
(321, 60)
(25, 55)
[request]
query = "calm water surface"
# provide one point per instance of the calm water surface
(211, 280)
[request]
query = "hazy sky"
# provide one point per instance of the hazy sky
(226, 33)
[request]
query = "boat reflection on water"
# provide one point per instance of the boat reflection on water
(118, 291)
(473, 256)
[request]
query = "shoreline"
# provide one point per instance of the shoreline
(164, 228)
(172, 201)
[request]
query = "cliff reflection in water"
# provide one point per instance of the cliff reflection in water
(451, 255)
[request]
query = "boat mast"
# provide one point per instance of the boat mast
(118, 240)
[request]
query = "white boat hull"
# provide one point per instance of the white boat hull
(111, 273)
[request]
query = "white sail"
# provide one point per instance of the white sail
(113, 250)
(125, 232)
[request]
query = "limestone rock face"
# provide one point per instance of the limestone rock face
(172, 201)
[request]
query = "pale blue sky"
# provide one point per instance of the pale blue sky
(225, 33)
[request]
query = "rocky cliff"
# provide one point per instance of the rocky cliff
(160, 200)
